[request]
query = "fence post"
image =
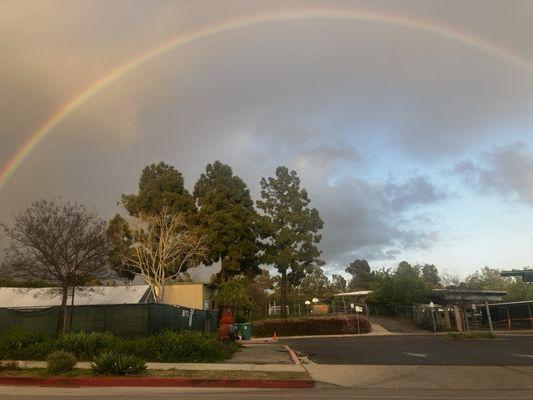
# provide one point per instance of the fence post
(509, 323)
(458, 318)
(491, 328)
(447, 318)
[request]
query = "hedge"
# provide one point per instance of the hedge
(167, 346)
(329, 325)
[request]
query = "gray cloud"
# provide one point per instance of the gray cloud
(334, 100)
(414, 191)
(363, 221)
(505, 170)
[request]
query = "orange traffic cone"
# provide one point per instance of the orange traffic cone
(274, 337)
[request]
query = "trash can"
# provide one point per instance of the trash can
(244, 330)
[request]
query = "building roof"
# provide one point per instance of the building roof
(513, 303)
(467, 295)
(525, 274)
(87, 295)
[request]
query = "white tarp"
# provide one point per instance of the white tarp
(46, 297)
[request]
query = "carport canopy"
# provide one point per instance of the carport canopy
(460, 296)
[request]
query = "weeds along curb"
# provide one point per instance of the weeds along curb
(155, 382)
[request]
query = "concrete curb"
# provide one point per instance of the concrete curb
(57, 381)
(293, 355)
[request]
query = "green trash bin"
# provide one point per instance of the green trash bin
(244, 330)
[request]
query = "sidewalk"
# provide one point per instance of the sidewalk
(427, 377)
(261, 353)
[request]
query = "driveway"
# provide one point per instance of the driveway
(396, 325)
(427, 349)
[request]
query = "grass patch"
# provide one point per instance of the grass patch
(180, 373)
(168, 373)
(471, 335)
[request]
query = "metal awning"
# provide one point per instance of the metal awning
(462, 295)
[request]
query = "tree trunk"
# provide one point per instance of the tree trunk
(71, 310)
(222, 270)
(283, 295)
(62, 311)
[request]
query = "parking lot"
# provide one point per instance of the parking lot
(426, 349)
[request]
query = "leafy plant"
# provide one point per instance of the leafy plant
(110, 363)
(16, 343)
(60, 362)
(186, 346)
(168, 346)
(85, 346)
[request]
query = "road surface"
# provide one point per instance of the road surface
(29, 393)
(427, 349)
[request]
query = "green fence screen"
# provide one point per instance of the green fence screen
(129, 320)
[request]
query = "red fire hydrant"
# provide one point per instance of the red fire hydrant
(226, 324)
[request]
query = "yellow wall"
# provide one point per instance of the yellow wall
(190, 295)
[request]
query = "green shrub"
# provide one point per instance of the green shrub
(110, 363)
(471, 335)
(185, 346)
(16, 343)
(85, 346)
(59, 362)
(168, 346)
(328, 325)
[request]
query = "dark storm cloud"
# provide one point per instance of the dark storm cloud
(505, 170)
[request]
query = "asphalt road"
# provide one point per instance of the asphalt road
(416, 350)
(30, 393)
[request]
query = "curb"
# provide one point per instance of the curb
(56, 381)
(293, 355)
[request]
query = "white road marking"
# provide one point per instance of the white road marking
(421, 355)
(523, 355)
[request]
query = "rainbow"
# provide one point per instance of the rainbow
(77, 101)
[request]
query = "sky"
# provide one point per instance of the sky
(409, 122)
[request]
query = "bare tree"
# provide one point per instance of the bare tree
(162, 247)
(61, 243)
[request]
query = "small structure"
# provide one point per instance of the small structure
(526, 274)
(464, 306)
(346, 302)
(512, 315)
(197, 295)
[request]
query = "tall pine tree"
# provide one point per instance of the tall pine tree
(227, 218)
(160, 186)
(289, 228)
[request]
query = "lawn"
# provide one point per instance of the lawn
(167, 373)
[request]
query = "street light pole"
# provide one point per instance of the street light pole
(432, 307)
